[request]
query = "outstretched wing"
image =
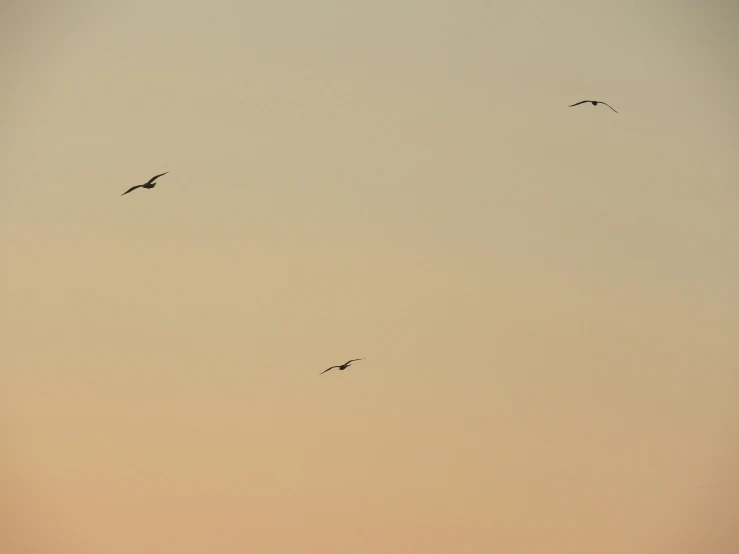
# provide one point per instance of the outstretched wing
(325, 370)
(156, 177)
(354, 360)
(132, 188)
(607, 105)
(571, 105)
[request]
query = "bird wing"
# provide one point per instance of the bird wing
(571, 105)
(607, 104)
(354, 360)
(325, 370)
(132, 188)
(156, 177)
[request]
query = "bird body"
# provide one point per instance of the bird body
(341, 367)
(593, 102)
(150, 184)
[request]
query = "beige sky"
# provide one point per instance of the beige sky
(546, 297)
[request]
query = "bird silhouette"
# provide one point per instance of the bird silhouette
(593, 102)
(149, 185)
(342, 367)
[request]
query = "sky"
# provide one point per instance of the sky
(546, 298)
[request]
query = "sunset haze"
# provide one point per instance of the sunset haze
(546, 298)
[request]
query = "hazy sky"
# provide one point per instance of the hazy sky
(547, 297)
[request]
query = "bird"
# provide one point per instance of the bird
(593, 102)
(342, 367)
(149, 185)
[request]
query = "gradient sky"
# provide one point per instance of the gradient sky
(547, 297)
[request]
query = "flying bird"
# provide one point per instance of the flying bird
(149, 185)
(593, 102)
(342, 367)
